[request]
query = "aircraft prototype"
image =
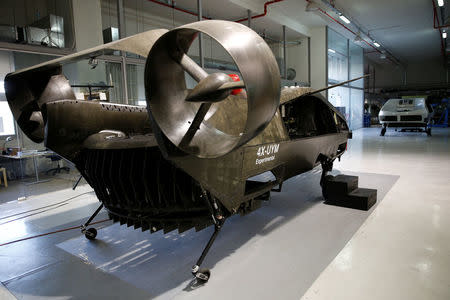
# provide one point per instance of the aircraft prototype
(188, 158)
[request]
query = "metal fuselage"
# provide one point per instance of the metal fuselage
(119, 156)
(134, 157)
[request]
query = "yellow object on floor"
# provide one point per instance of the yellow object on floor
(4, 177)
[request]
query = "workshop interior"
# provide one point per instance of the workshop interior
(161, 149)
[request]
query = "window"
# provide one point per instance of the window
(135, 84)
(6, 118)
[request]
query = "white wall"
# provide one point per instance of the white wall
(88, 33)
(419, 74)
(319, 58)
(87, 20)
(297, 58)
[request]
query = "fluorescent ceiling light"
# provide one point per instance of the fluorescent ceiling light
(376, 44)
(343, 18)
(331, 51)
(444, 35)
(440, 2)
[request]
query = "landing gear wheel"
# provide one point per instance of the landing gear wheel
(383, 131)
(203, 276)
(428, 131)
(90, 233)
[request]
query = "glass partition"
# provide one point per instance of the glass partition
(337, 57)
(346, 61)
(24, 60)
(340, 98)
(135, 85)
(356, 65)
(357, 108)
(99, 81)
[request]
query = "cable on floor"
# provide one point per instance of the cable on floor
(50, 205)
(36, 213)
(48, 233)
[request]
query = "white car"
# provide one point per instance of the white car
(407, 114)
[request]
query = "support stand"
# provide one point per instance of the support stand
(203, 275)
(342, 190)
(91, 233)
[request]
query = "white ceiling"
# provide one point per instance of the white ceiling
(403, 27)
(229, 10)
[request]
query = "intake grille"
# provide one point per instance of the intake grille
(411, 118)
(389, 118)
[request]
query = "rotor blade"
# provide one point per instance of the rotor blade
(335, 85)
(196, 72)
(192, 68)
(214, 88)
(195, 125)
(232, 85)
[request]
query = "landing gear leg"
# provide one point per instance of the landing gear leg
(90, 233)
(428, 130)
(203, 275)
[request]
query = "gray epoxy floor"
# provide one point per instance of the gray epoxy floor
(246, 263)
(264, 248)
(22, 188)
(402, 251)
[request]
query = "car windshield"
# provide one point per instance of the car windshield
(406, 102)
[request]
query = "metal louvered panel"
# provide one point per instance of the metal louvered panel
(140, 188)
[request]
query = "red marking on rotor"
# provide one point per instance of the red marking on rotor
(235, 77)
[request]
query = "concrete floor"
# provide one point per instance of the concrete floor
(401, 251)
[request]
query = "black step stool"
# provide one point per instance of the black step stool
(343, 190)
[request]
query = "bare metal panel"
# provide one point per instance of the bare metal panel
(186, 160)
